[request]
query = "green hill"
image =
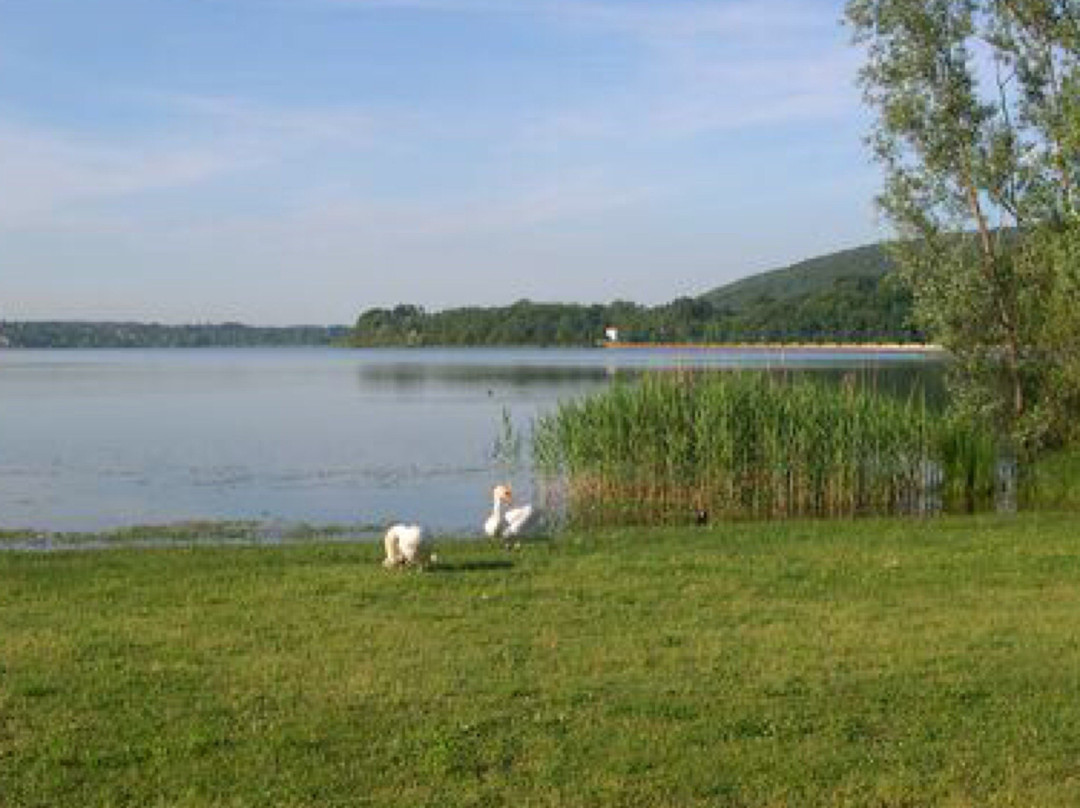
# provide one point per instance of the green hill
(847, 296)
(809, 277)
(851, 295)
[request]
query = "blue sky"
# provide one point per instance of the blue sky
(288, 161)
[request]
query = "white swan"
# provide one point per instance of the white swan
(407, 544)
(506, 522)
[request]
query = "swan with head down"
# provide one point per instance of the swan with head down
(407, 545)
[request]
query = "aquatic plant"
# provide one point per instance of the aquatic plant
(673, 445)
(506, 450)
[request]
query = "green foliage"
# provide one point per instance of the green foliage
(523, 323)
(70, 334)
(968, 458)
(847, 296)
(817, 664)
(978, 132)
(1053, 481)
(506, 451)
(752, 445)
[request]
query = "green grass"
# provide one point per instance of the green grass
(839, 663)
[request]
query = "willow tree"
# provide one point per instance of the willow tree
(977, 127)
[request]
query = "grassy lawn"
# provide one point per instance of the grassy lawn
(869, 663)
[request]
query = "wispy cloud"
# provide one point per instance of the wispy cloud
(724, 94)
(328, 216)
(48, 170)
(644, 19)
(296, 126)
(536, 202)
(704, 96)
(45, 170)
(706, 66)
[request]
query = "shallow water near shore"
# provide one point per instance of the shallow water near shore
(101, 439)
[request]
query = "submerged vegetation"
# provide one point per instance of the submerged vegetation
(185, 533)
(673, 446)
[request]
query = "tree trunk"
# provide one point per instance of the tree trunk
(1008, 321)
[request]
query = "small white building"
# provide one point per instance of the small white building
(611, 334)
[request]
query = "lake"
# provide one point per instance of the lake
(99, 439)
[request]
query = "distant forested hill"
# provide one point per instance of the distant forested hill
(814, 276)
(73, 334)
(845, 296)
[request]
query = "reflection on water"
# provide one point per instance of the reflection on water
(901, 376)
(413, 375)
(99, 439)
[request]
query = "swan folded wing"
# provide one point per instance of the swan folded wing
(504, 520)
(518, 520)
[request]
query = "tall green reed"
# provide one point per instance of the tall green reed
(754, 445)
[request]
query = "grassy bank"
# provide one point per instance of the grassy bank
(877, 662)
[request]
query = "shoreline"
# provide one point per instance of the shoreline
(758, 347)
(807, 347)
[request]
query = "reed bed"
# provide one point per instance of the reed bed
(672, 448)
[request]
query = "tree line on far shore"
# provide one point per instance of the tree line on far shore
(848, 296)
(74, 334)
(850, 309)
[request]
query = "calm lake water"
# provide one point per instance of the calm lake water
(106, 438)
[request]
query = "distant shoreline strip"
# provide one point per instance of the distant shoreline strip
(774, 347)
